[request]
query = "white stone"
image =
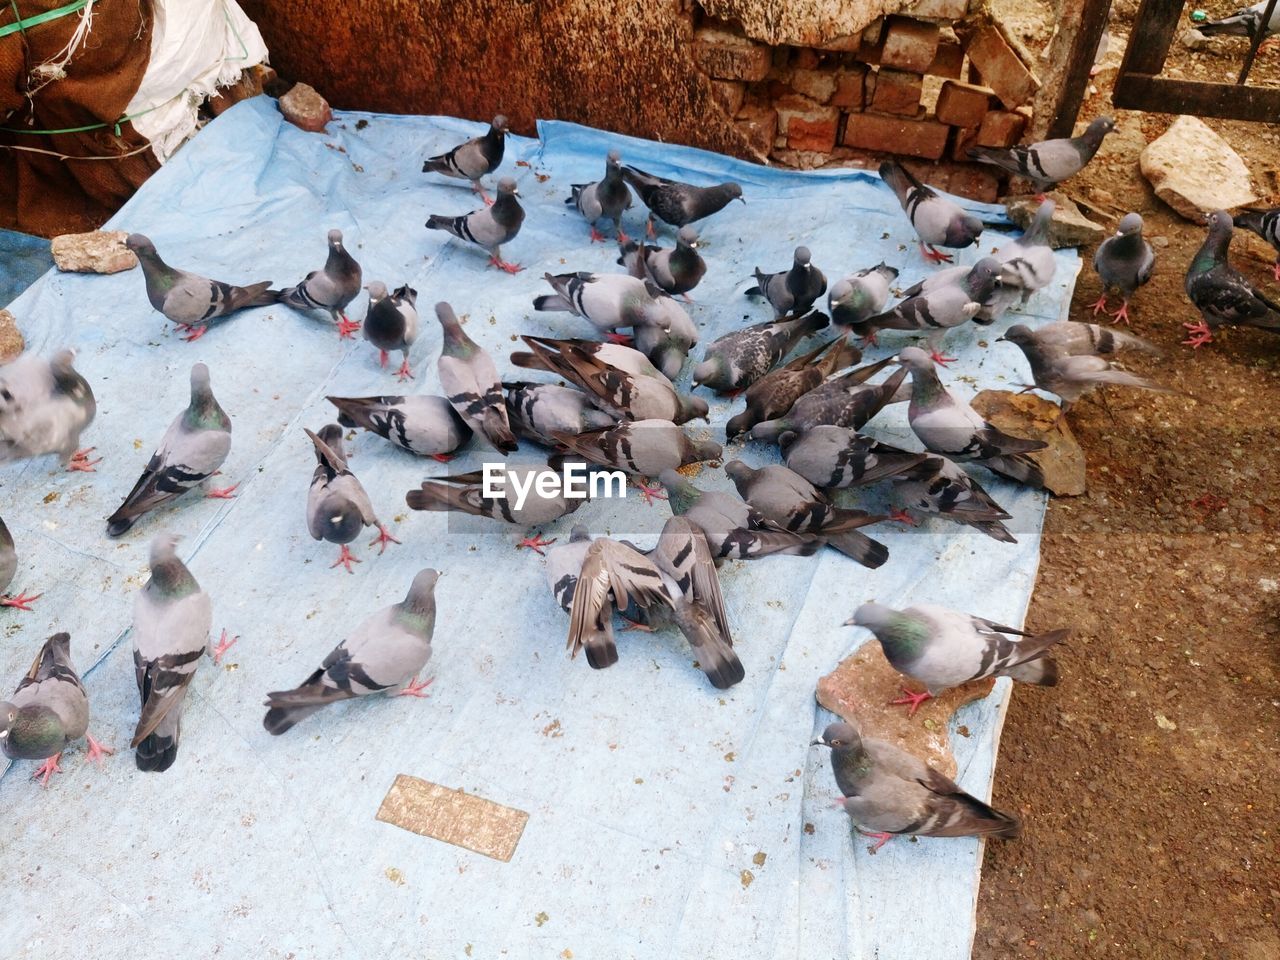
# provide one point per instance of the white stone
(1195, 171)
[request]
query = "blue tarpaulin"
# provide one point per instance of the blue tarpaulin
(666, 818)
(22, 259)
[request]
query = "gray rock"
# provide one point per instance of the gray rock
(1069, 226)
(1195, 171)
(1031, 417)
(101, 251)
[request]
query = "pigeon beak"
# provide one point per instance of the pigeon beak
(743, 199)
(851, 622)
(1002, 339)
(819, 743)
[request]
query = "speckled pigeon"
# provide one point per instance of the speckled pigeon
(939, 487)
(679, 203)
(330, 289)
(741, 357)
(774, 394)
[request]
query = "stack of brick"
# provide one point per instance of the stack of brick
(875, 93)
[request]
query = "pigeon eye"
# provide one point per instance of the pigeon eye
(6, 394)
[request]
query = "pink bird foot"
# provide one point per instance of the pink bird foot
(222, 646)
(934, 255)
(404, 373)
(416, 689)
(870, 340)
(903, 517)
(346, 327)
(597, 236)
(504, 265)
(649, 493)
(80, 462)
(939, 358)
(47, 770)
(911, 699)
(222, 493)
(880, 839)
(194, 333)
(1100, 305)
(633, 625)
(383, 356)
(20, 602)
(625, 339)
(649, 231)
(535, 543)
(1122, 313)
(345, 559)
(687, 299)
(1198, 334)
(442, 457)
(97, 752)
(622, 236)
(382, 539)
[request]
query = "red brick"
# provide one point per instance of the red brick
(806, 124)
(909, 44)
(759, 124)
(961, 141)
(729, 94)
(1000, 68)
(727, 56)
(916, 138)
(805, 59)
(962, 105)
(844, 44)
(1001, 128)
(817, 84)
(974, 182)
(850, 85)
(896, 91)
(948, 10)
(948, 61)
(872, 44)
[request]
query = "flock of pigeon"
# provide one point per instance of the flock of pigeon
(617, 407)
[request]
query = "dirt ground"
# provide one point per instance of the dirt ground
(1149, 780)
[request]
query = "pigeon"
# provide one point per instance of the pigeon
(843, 401)
(888, 792)
(643, 448)
(44, 407)
(564, 565)
(837, 457)
(1069, 359)
(1027, 263)
(604, 199)
(193, 448)
(331, 289)
(338, 507)
(1049, 162)
(1123, 262)
(667, 347)
(791, 502)
(475, 158)
(773, 394)
(9, 567)
(954, 429)
(607, 300)
(48, 710)
(791, 292)
(741, 357)
(937, 221)
(733, 529)
(942, 307)
(942, 648)
(624, 358)
(541, 410)
(392, 323)
(679, 203)
(860, 296)
(489, 227)
(1265, 223)
(384, 655)
(1245, 22)
(470, 381)
(624, 395)
(1220, 293)
(938, 486)
(171, 621)
(191, 301)
(426, 426)
(991, 309)
(614, 576)
(466, 493)
(676, 271)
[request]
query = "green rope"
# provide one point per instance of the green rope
(39, 18)
(92, 126)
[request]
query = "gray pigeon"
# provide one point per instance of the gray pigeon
(489, 227)
(733, 528)
(338, 507)
(676, 271)
(843, 401)
(791, 502)
(679, 203)
(1070, 359)
(954, 429)
(647, 395)
(9, 567)
(617, 355)
(603, 199)
(791, 292)
(1245, 22)
(643, 448)
(564, 564)
(740, 358)
(1220, 293)
(193, 448)
(384, 655)
(474, 159)
(1027, 263)
(48, 710)
(392, 323)
(541, 410)
(331, 289)
(992, 308)
(1051, 161)
(942, 307)
(856, 298)
(44, 407)
(171, 621)
(837, 457)
(938, 486)
(607, 300)
(937, 221)
(614, 576)
(888, 792)
(667, 347)
(427, 426)
(1123, 262)
(774, 394)
(1265, 223)
(942, 648)
(191, 301)
(469, 379)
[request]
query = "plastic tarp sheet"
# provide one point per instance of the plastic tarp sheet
(666, 819)
(23, 258)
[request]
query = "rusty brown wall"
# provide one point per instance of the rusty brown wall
(617, 64)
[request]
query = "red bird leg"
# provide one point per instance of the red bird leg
(1100, 305)
(880, 838)
(222, 493)
(442, 457)
(939, 358)
(47, 769)
(911, 699)
(382, 358)
(625, 339)
(870, 340)
(20, 602)
(633, 625)
(195, 334)
(80, 462)
(934, 256)
(97, 751)
(652, 233)
(622, 235)
(535, 543)
(222, 646)
(1198, 334)
(415, 688)
(404, 373)
(497, 261)
(382, 539)
(902, 516)
(346, 327)
(345, 559)
(687, 299)
(649, 493)
(596, 235)
(1122, 313)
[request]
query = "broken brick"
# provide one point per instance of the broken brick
(909, 44)
(948, 10)
(819, 85)
(727, 56)
(896, 91)
(850, 84)
(948, 61)
(758, 123)
(915, 138)
(962, 104)
(805, 59)
(1000, 128)
(729, 94)
(305, 108)
(974, 182)
(806, 124)
(1000, 68)
(848, 44)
